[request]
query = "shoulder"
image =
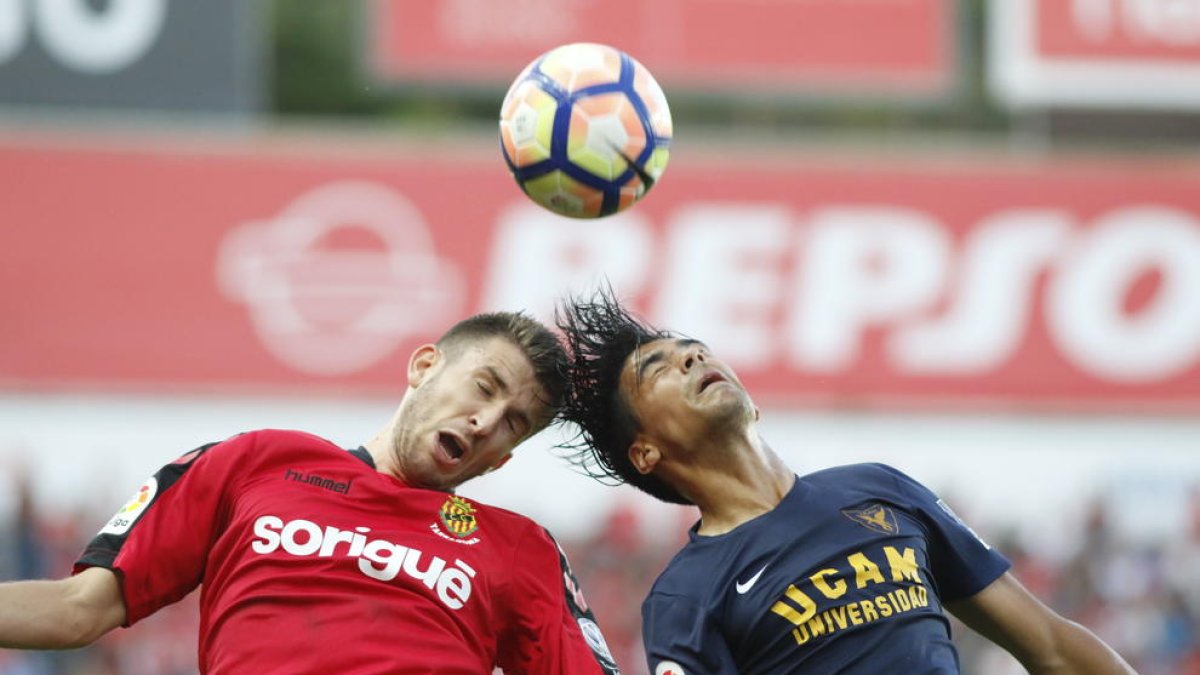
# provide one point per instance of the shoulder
(249, 450)
(873, 480)
(284, 438)
(500, 516)
(273, 442)
(515, 529)
(868, 473)
(534, 557)
(676, 589)
(690, 571)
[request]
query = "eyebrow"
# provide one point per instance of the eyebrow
(645, 363)
(658, 355)
(495, 376)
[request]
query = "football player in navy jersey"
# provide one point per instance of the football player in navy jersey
(846, 570)
(315, 559)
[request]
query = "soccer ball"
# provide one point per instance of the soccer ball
(585, 130)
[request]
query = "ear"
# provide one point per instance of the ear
(644, 456)
(757, 414)
(421, 363)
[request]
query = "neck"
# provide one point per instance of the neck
(381, 447)
(377, 447)
(746, 480)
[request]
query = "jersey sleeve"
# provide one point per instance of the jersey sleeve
(680, 638)
(962, 562)
(158, 542)
(550, 628)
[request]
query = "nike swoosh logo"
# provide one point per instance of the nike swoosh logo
(743, 587)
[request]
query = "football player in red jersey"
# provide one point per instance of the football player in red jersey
(315, 559)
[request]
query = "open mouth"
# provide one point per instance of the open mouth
(452, 445)
(710, 379)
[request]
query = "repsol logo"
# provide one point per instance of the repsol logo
(377, 558)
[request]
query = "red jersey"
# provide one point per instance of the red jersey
(311, 561)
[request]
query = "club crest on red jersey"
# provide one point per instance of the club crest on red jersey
(458, 517)
(875, 517)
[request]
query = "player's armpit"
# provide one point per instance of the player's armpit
(60, 614)
(1044, 642)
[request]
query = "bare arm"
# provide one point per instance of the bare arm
(60, 614)
(1044, 642)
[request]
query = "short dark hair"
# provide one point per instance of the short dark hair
(600, 335)
(539, 344)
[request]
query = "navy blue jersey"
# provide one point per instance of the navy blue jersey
(847, 574)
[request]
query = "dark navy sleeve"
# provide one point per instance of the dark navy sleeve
(962, 562)
(680, 638)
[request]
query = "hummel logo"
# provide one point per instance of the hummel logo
(319, 481)
(742, 588)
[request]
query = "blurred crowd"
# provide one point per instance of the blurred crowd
(1142, 599)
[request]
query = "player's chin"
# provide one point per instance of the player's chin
(730, 406)
(719, 396)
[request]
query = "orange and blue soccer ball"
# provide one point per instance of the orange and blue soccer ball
(585, 130)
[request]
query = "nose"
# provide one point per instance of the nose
(693, 355)
(482, 421)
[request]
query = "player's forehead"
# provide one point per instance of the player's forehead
(506, 367)
(646, 355)
(496, 358)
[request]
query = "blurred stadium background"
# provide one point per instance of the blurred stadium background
(962, 238)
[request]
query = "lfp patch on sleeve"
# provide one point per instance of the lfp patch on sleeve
(133, 509)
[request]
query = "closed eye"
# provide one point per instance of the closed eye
(519, 424)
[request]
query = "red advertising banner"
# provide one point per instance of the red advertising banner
(1103, 53)
(893, 47)
(245, 267)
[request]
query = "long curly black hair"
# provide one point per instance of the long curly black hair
(600, 335)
